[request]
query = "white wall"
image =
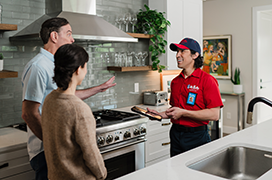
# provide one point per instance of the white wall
(233, 17)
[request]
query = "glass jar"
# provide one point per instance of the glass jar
(1, 12)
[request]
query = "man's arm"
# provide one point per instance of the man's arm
(211, 114)
(85, 93)
(32, 117)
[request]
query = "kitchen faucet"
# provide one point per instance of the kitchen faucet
(252, 103)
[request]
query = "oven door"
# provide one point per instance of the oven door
(125, 158)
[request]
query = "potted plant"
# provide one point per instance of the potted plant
(237, 86)
(153, 23)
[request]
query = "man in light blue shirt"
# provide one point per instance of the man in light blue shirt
(37, 83)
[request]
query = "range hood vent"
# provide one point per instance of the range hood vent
(81, 14)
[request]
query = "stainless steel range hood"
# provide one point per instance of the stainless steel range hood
(81, 15)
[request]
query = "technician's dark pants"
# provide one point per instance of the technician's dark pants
(184, 139)
(38, 164)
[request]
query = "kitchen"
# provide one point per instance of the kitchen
(17, 55)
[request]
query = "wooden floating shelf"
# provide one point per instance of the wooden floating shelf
(138, 35)
(8, 27)
(128, 69)
(8, 74)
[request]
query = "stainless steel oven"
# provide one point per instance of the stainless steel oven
(128, 158)
(121, 141)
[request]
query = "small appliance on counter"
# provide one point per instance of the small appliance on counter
(155, 97)
(22, 126)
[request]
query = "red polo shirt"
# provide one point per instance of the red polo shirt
(198, 91)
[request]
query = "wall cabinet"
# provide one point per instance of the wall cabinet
(158, 142)
(186, 20)
(14, 165)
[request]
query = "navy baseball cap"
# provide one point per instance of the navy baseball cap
(186, 43)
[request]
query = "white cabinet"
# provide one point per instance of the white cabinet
(14, 165)
(157, 146)
(186, 18)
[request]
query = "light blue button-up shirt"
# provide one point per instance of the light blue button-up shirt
(37, 83)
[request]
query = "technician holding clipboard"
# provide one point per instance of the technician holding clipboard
(195, 100)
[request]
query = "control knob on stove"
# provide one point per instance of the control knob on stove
(127, 134)
(143, 130)
(109, 139)
(100, 141)
(136, 132)
(116, 138)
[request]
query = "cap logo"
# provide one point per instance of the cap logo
(184, 41)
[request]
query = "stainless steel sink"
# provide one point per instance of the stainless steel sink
(236, 163)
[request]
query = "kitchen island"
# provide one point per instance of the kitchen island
(257, 136)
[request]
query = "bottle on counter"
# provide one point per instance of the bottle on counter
(1, 61)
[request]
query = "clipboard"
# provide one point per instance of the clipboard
(144, 112)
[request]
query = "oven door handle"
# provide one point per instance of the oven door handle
(140, 140)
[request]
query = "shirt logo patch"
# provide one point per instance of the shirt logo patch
(192, 87)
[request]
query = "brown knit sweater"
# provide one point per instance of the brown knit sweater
(69, 139)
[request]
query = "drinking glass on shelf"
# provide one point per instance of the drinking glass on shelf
(130, 58)
(124, 59)
(144, 56)
(112, 59)
(107, 59)
(138, 57)
(127, 20)
(118, 21)
(146, 28)
(122, 21)
(117, 59)
(103, 59)
(102, 56)
(133, 22)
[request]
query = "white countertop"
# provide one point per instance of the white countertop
(12, 138)
(257, 136)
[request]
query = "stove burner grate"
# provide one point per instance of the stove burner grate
(106, 117)
(115, 115)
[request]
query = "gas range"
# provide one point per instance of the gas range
(115, 128)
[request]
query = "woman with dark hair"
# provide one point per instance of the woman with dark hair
(69, 128)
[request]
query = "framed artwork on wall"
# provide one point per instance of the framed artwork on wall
(217, 56)
(166, 78)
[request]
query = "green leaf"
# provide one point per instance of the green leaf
(153, 58)
(154, 66)
(151, 48)
(163, 25)
(236, 78)
(154, 23)
(146, 7)
(154, 53)
(162, 66)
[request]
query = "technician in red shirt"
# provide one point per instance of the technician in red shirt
(195, 100)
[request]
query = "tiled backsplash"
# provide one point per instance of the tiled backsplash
(16, 55)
